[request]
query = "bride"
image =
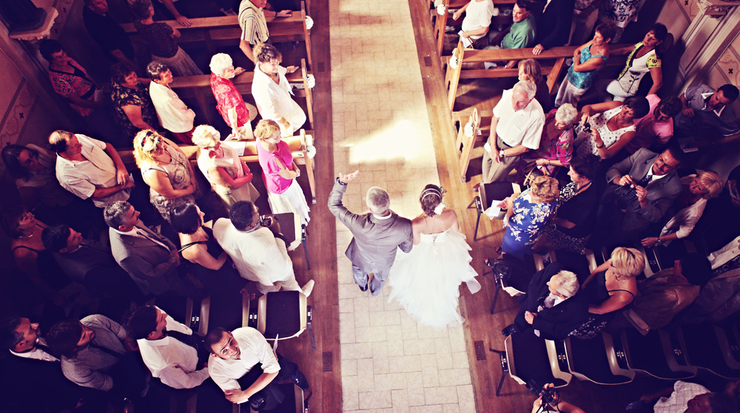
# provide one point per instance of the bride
(426, 281)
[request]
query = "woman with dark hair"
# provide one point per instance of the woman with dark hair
(608, 127)
(131, 101)
(642, 59)
(69, 78)
(575, 215)
(426, 281)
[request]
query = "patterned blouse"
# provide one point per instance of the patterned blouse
(585, 144)
(227, 97)
(124, 96)
(159, 37)
(529, 219)
(555, 148)
(78, 82)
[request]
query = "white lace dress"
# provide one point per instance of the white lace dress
(426, 281)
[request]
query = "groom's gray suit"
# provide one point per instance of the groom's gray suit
(373, 248)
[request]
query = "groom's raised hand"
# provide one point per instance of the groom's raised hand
(345, 179)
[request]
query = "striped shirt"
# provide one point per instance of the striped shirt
(253, 23)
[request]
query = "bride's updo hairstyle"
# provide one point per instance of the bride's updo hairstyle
(431, 200)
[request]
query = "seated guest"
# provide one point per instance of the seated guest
(229, 102)
(556, 143)
(516, 128)
(610, 127)
(530, 69)
(697, 189)
(619, 13)
(655, 128)
(172, 112)
(90, 168)
(234, 368)
(641, 60)
(706, 116)
(527, 214)
(610, 287)
(575, 216)
(477, 20)
(229, 176)
(254, 26)
(258, 249)
(689, 398)
(720, 297)
(588, 59)
(547, 307)
(640, 190)
(131, 101)
(150, 259)
(160, 37)
(714, 228)
(553, 27)
(272, 91)
(95, 354)
(107, 33)
(522, 32)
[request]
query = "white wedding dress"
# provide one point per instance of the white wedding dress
(426, 281)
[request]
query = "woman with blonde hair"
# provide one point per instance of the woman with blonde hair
(527, 214)
(530, 69)
(610, 287)
(280, 172)
(426, 281)
(229, 176)
(165, 168)
(272, 92)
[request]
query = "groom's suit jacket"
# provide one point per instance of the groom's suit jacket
(147, 262)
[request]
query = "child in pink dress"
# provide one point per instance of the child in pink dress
(279, 172)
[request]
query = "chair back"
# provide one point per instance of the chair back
(282, 314)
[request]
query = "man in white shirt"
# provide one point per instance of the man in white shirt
(516, 128)
(686, 397)
(90, 168)
(172, 112)
(233, 366)
(259, 252)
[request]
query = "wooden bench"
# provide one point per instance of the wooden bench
(442, 20)
(199, 87)
(213, 30)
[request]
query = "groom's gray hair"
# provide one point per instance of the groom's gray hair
(378, 200)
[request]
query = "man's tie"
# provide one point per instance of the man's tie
(45, 349)
(645, 180)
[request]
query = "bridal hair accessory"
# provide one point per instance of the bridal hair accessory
(439, 208)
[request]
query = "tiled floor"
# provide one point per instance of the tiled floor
(381, 127)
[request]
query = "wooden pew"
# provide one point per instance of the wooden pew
(442, 20)
(213, 30)
(199, 87)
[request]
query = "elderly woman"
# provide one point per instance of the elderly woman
(527, 214)
(530, 69)
(610, 126)
(229, 101)
(272, 92)
(556, 143)
(230, 178)
(165, 168)
(172, 112)
(697, 190)
(575, 215)
(131, 101)
(642, 60)
(610, 287)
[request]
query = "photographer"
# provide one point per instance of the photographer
(549, 401)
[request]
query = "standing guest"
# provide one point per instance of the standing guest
(530, 70)
(477, 20)
(527, 214)
(172, 112)
(553, 27)
(641, 60)
(516, 128)
(619, 13)
(556, 143)
(611, 126)
(258, 249)
(229, 176)
(229, 101)
(90, 168)
(705, 115)
(655, 128)
(522, 32)
(131, 101)
(159, 36)
(280, 172)
(254, 26)
(588, 59)
(272, 92)
(167, 171)
(585, 15)
(377, 235)
(107, 33)
(175, 10)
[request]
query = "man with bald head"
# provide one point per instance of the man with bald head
(516, 128)
(377, 234)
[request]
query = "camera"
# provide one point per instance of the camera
(548, 394)
(266, 220)
(587, 127)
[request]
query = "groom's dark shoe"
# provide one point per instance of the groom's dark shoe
(363, 288)
(509, 330)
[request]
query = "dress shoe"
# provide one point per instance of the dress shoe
(308, 288)
(300, 380)
(257, 402)
(509, 330)
(363, 288)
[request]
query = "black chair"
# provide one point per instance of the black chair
(712, 347)
(654, 354)
(599, 360)
(510, 274)
(279, 315)
(487, 193)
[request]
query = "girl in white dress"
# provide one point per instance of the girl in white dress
(426, 281)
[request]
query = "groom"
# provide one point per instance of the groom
(376, 234)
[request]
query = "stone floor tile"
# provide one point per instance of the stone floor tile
(466, 399)
(365, 376)
(400, 400)
(440, 395)
(346, 305)
(349, 367)
(350, 394)
(346, 328)
(375, 400)
(437, 408)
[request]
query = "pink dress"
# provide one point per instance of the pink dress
(227, 97)
(284, 195)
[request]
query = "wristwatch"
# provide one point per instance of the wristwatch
(501, 153)
(340, 182)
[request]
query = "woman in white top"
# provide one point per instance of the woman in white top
(477, 20)
(697, 189)
(642, 60)
(272, 92)
(610, 126)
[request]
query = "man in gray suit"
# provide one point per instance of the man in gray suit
(376, 234)
(641, 188)
(149, 258)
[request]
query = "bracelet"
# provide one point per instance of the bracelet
(599, 147)
(501, 153)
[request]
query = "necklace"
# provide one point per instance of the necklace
(27, 236)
